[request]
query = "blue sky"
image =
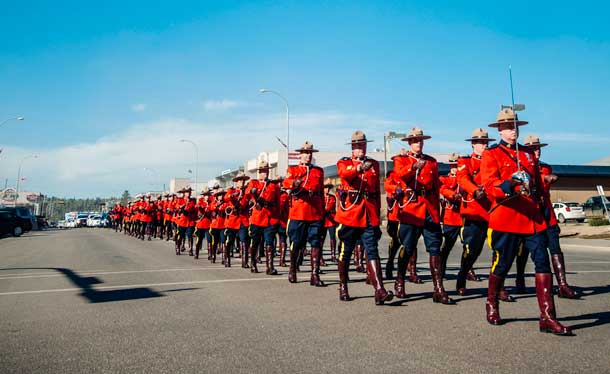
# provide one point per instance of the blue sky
(107, 91)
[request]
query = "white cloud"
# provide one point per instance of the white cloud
(220, 105)
(114, 163)
(138, 107)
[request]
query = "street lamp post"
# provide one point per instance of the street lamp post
(386, 146)
(10, 119)
(196, 158)
(264, 91)
(19, 174)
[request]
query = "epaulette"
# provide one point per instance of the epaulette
(495, 145)
(316, 167)
(367, 158)
(398, 156)
(543, 163)
(428, 158)
(345, 158)
(465, 157)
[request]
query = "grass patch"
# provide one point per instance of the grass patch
(599, 221)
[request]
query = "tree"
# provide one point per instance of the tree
(125, 197)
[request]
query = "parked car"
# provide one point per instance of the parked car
(94, 221)
(62, 224)
(569, 211)
(12, 223)
(81, 220)
(593, 206)
(22, 215)
(71, 224)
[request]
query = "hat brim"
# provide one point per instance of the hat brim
(358, 142)
(498, 124)
(241, 178)
(476, 139)
(303, 150)
(536, 145)
(329, 185)
(266, 167)
(423, 137)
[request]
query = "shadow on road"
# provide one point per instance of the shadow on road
(100, 296)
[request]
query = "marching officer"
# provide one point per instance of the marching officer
(202, 226)
(330, 225)
(283, 226)
(305, 183)
(236, 208)
(390, 185)
(548, 178)
(263, 195)
(217, 225)
(420, 212)
(451, 199)
(511, 177)
(167, 215)
(358, 215)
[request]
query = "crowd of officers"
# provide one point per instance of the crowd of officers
(499, 194)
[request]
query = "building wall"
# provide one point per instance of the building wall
(578, 189)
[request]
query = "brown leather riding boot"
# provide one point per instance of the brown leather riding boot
(439, 295)
(282, 254)
(244, 255)
(559, 267)
(389, 266)
(253, 267)
(316, 254)
(227, 250)
(343, 279)
(358, 251)
(292, 270)
(503, 295)
(492, 306)
(548, 319)
(401, 273)
(213, 257)
(412, 268)
(209, 246)
(333, 251)
(269, 261)
(381, 295)
(472, 276)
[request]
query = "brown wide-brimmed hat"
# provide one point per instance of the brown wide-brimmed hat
(507, 117)
(240, 177)
(307, 147)
(328, 183)
(205, 192)
(453, 158)
(533, 141)
(219, 191)
(263, 164)
(416, 133)
(358, 137)
(480, 134)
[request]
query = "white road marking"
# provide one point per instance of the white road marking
(51, 275)
(142, 285)
(607, 248)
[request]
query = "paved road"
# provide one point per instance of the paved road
(91, 300)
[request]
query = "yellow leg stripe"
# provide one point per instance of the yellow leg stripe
(489, 232)
(212, 236)
(342, 252)
(391, 242)
(520, 253)
(401, 251)
(466, 251)
(462, 232)
(496, 260)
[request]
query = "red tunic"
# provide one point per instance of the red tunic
(513, 213)
(265, 202)
(146, 215)
(306, 201)
(235, 208)
(203, 214)
(469, 179)
(330, 210)
(284, 208)
(358, 194)
(218, 214)
(390, 185)
(546, 169)
(422, 194)
(451, 210)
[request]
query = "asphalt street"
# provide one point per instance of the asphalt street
(96, 301)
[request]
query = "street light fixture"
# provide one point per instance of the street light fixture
(19, 173)
(196, 158)
(11, 119)
(266, 90)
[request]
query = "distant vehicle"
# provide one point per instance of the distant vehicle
(42, 222)
(81, 220)
(63, 224)
(569, 211)
(595, 205)
(94, 221)
(22, 215)
(71, 224)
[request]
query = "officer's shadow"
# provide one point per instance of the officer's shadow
(101, 296)
(597, 319)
